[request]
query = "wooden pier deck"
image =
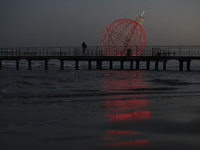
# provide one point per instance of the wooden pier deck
(151, 54)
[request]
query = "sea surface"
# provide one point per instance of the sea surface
(105, 109)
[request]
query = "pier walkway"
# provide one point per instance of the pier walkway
(155, 54)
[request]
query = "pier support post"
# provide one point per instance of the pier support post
(46, 64)
(76, 64)
(89, 64)
(0, 64)
(156, 65)
(111, 64)
(122, 64)
(148, 64)
(131, 65)
(61, 64)
(29, 64)
(188, 65)
(137, 64)
(99, 65)
(181, 65)
(164, 65)
(17, 64)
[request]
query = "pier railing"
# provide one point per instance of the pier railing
(169, 51)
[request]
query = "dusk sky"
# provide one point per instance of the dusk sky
(70, 22)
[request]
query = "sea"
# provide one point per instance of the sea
(99, 109)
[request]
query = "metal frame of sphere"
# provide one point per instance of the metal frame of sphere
(124, 37)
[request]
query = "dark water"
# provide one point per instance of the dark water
(102, 108)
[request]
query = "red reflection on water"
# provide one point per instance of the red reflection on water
(120, 86)
(127, 143)
(129, 116)
(121, 132)
(125, 97)
(125, 104)
(118, 81)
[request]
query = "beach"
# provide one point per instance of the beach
(99, 109)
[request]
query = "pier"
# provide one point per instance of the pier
(151, 54)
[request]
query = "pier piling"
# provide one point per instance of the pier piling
(122, 64)
(156, 65)
(137, 64)
(148, 64)
(111, 64)
(17, 64)
(46, 64)
(76, 64)
(181, 65)
(61, 64)
(89, 64)
(188, 65)
(99, 65)
(164, 65)
(29, 64)
(131, 65)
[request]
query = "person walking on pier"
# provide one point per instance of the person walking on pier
(84, 46)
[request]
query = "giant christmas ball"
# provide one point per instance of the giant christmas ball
(121, 35)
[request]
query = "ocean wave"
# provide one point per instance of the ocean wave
(172, 82)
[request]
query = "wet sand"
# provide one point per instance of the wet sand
(88, 125)
(87, 134)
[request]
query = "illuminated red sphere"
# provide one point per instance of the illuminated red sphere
(121, 35)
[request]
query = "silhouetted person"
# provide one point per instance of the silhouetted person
(84, 46)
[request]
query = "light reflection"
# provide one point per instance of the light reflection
(125, 104)
(115, 106)
(123, 82)
(129, 116)
(119, 132)
(127, 143)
